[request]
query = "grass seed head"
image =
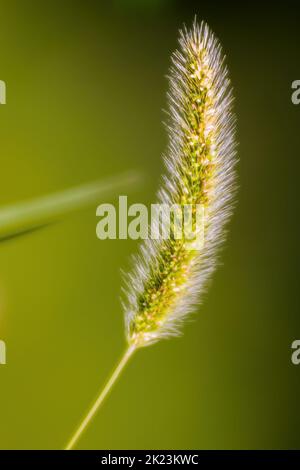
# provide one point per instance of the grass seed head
(168, 276)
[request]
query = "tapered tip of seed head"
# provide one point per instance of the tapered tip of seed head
(197, 36)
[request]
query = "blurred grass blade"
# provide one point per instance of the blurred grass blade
(23, 217)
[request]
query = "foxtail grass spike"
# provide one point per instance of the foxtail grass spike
(169, 277)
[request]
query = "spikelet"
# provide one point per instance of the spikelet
(168, 277)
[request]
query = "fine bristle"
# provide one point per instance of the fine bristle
(168, 278)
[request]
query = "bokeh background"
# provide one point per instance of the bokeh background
(85, 91)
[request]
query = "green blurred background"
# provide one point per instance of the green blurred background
(85, 91)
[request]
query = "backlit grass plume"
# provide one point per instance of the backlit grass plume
(169, 276)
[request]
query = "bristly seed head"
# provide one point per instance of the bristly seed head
(168, 276)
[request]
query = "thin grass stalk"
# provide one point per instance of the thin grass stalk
(103, 394)
(26, 216)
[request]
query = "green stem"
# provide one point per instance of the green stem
(25, 216)
(101, 398)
